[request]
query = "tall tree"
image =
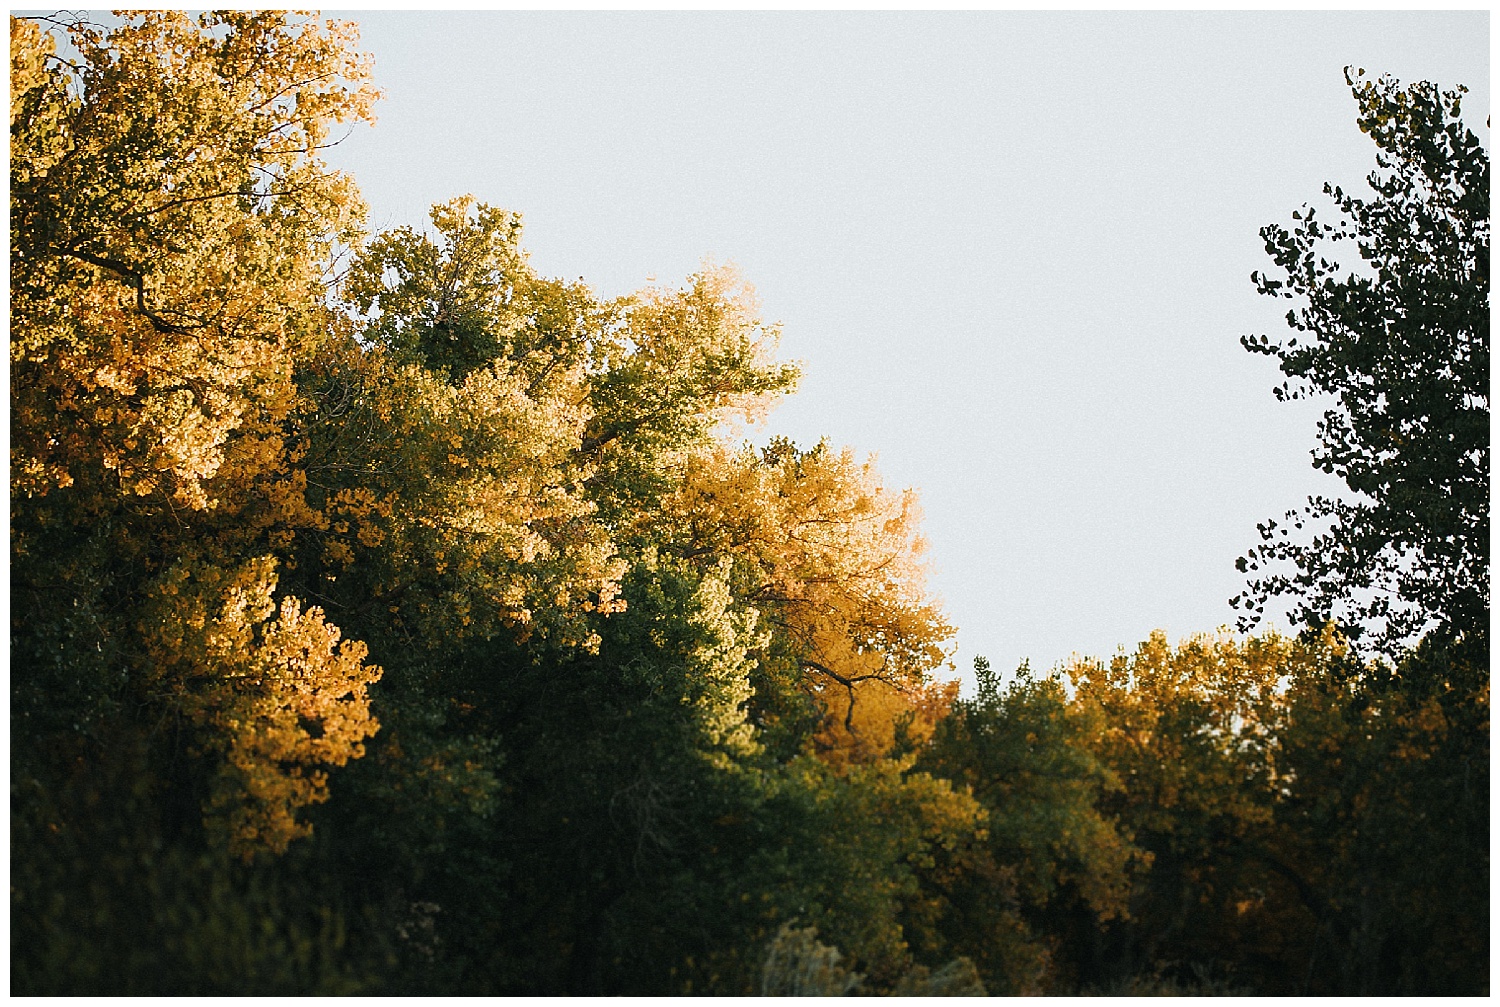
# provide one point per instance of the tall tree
(172, 222)
(1387, 807)
(172, 225)
(1402, 341)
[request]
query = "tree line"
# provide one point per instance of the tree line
(387, 617)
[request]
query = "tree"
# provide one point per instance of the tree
(1052, 853)
(1316, 823)
(1384, 815)
(592, 613)
(833, 560)
(429, 632)
(1402, 341)
(172, 223)
(444, 446)
(1190, 732)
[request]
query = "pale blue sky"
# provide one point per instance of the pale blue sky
(1012, 251)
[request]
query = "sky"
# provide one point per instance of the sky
(1010, 251)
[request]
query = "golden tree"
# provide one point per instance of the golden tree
(172, 225)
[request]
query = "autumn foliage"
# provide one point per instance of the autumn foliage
(390, 618)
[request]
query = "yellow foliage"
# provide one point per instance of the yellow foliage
(866, 720)
(834, 560)
(29, 49)
(172, 225)
(284, 698)
(711, 330)
(305, 680)
(1183, 721)
(499, 536)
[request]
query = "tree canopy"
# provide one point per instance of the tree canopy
(390, 618)
(1401, 341)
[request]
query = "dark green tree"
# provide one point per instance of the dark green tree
(1401, 340)
(1386, 754)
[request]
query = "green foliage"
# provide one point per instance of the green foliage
(1387, 822)
(1027, 754)
(1380, 822)
(427, 633)
(109, 897)
(451, 309)
(1402, 341)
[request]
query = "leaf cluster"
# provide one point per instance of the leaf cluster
(1400, 341)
